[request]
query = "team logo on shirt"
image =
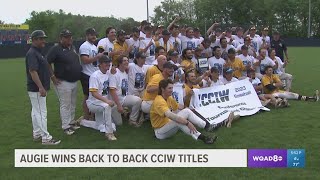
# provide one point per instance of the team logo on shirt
(152, 50)
(191, 45)
(219, 67)
(94, 53)
(175, 96)
(105, 89)
(124, 87)
(139, 81)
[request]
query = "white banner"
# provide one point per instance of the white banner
(216, 103)
(130, 158)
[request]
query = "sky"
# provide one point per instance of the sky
(17, 11)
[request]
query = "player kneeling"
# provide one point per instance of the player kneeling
(166, 123)
(98, 102)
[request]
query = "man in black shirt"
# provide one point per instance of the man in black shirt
(67, 71)
(38, 83)
(279, 46)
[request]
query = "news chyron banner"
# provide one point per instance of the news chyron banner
(217, 102)
(252, 158)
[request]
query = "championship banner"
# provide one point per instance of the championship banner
(216, 103)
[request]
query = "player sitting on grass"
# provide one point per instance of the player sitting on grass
(272, 84)
(166, 122)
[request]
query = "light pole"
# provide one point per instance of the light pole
(148, 10)
(309, 23)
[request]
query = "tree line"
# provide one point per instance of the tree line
(290, 17)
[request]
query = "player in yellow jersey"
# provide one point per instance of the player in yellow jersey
(166, 122)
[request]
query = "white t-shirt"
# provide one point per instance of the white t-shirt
(224, 52)
(136, 44)
(264, 63)
(106, 45)
(280, 66)
(142, 34)
(217, 43)
(176, 41)
(179, 72)
(238, 39)
(207, 52)
(225, 81)
(218, 63)
(256, 42)
(119, 81)
(136, 81)
(217, 83)
(256, 82)
(150, 53)
(200, 39)
(246, 60)
(100, 82)
(90, 50)
(191, 43)
(251, 50)
(267, 39)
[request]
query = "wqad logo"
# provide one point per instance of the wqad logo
(267, 158)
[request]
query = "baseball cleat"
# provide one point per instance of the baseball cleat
(316, 96)
(51, 142)
(210, 139)
(68, 131)
(110, 137)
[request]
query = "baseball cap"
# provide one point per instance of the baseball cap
(91, 31)
(244, 47)
(196, 29)
(65, 33)
(121, 32)
(160, 26)
(214, 70)
(38, 34)
(104, 59)
(266, 29)
(140, 55)
(169, 65)
(166, 32)
(172, 53)
(247, 38)
(231, 51)
(144, 23)
(148, 28)
(228, 70)
(253, 28)
(198, 49)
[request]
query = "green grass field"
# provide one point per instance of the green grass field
(294, 127)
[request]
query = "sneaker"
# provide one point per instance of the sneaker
(68, 131)
(316, 96)
(210, 139)
(265, 103)
(134, 123)
(37, 138)
(111, 137)
(74, 126)
(51, 142)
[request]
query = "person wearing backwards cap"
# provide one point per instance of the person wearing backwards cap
(89, 56)
(67, 71)
(228, 76)
(98, 101)
(38, 83)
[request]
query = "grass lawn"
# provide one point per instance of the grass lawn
(294, 127)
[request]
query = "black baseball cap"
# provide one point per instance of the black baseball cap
(144, 23)
(121, 32)
(169, 65)
(166, 32)
(135, 29)
(147, 28)
(228, 70)
(104, 59)
(244, 47)
(38, 34)
(91, 31)
(214, 69)
(65, 33)
(140, 55)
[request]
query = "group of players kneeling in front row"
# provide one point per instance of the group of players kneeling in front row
(165, 114)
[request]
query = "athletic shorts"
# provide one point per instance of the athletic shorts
(85, 83)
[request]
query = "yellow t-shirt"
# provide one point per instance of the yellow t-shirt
(154, 81)
(158, 108)
(151, 72)
(238, 67)
(118, 47)
(187, 90)
(266, 80)
(187, 65)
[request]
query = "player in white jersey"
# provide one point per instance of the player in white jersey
(213, 79)
(281, 65)
(134, 42)
(178, 75)
(98, 102)
(255, 39)
(89, 56)
(189, 41)
(148, 46)
(246, 59)
(137, 73)
(238, 38)
(263, 61)
(266, 42)
(225, 47)
(106, 44)
(217, 61)
(228, 76)
(143, 24)
(118, 85)
(247, 43)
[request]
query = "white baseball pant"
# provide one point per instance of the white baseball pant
(287, 95)
(67, 95)
(39, 116)
(288, 78)
(146, 106)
